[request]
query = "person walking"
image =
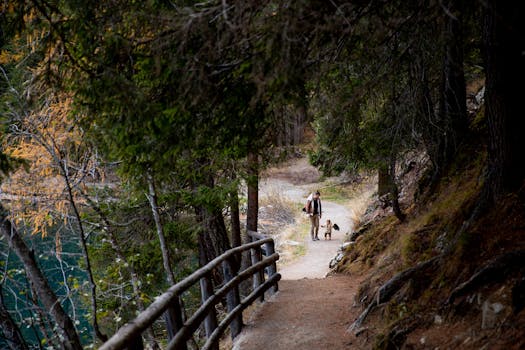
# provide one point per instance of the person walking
(328, 232)
(314, 210)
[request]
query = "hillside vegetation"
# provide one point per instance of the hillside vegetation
(443, 278)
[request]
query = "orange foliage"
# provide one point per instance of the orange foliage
(51, 144)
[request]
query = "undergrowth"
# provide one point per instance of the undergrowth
(433, 227)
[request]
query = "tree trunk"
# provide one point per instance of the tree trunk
(46, 295)
(504, 44)
(9, 329)
(387, 185)
(383, 181)
(135, 283)
(300, 121)
(213, 236)
(83, 243)
(235, 221)
(394, 191)
(236, 226)
(173, 316)
(253, 192)
(152, 197)
(206, 286)
(453, 121)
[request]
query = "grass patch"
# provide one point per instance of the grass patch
(292, 243)
(335, 192)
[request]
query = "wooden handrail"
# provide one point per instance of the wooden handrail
(193, 322)
(256, 235)
(243, 305)
(130, 331)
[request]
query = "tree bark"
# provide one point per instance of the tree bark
(173, 316)
(253, 192)
(83, 243)
(9, 329)
(213, 238)
(236, 226)
(394, 191)
(383, 181)
(46, 295)
(152, 197)
(453, 121)
(504, 44)
(235, 220)
(387, 185)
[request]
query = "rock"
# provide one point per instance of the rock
(438, 319)
(354, 235)
(346, 245)
(497, 307)
(490, 314)
(332, 264)
(480, 96)
(335, 260)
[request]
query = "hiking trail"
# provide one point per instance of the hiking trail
(310, 311)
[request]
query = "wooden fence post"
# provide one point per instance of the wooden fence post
(210, 323)
(272, 269)
(258, 276)
(174, 320)
(232, 299)
(136, 343)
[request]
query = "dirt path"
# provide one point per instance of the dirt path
(310, 311)
(305, 314)
(314, 264)
(287, 182)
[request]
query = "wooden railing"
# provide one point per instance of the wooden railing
(263, 263)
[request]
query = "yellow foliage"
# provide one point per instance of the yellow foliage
(50, 143)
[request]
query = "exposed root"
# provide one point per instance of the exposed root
(390, 288)
(362, 230)
(495, 270)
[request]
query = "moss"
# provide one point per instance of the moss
(409, 246)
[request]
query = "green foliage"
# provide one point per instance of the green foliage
(140, 247)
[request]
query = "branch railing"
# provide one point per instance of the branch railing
(263, 263)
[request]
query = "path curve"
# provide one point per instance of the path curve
(309, 311)
(315, 263)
